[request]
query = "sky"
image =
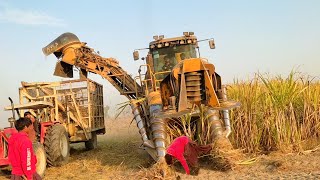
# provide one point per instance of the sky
(250, 36)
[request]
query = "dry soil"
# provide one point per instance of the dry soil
(118, 157)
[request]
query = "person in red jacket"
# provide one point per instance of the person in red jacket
(186, 152)
(21, 155)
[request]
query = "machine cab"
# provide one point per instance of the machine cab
(164, 54)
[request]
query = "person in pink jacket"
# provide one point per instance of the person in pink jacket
(21, 155)
(176, 149)
(186, 152)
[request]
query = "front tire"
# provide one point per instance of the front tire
(41, 158)
(57, 145)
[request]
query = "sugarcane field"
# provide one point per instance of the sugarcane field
(159, 90)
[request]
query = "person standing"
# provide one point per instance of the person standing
(21, 154)
(35, 124)
(33, 120)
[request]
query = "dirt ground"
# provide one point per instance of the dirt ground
(118, 157)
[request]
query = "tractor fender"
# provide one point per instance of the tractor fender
(44, 126)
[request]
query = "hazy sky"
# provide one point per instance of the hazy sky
(267, 36)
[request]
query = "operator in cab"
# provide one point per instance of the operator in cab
(21, 154)
(183, 56)
(168, 65)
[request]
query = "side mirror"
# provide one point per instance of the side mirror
(136, 55)
(211, 44)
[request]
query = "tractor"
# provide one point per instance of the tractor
(172, 90)
(67, 112)
(8, 131)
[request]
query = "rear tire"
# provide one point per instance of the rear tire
(93, 142)
(41, 158)
(57, 145)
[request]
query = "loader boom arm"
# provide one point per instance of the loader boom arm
(78, 54)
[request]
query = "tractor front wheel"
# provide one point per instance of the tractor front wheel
(57, 145)
(41, 158)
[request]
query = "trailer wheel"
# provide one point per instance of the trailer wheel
(93, 142)
(41, 158)
(57, 145)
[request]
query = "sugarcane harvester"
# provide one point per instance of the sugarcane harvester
(175, 81)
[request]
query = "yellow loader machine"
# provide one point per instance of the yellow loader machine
(176, 92)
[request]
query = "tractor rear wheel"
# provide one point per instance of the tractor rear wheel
(57, 145)
(93, 142)
(41, 158)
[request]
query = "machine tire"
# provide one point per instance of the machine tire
(41, 158)
(57, 145)
(93, 142)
